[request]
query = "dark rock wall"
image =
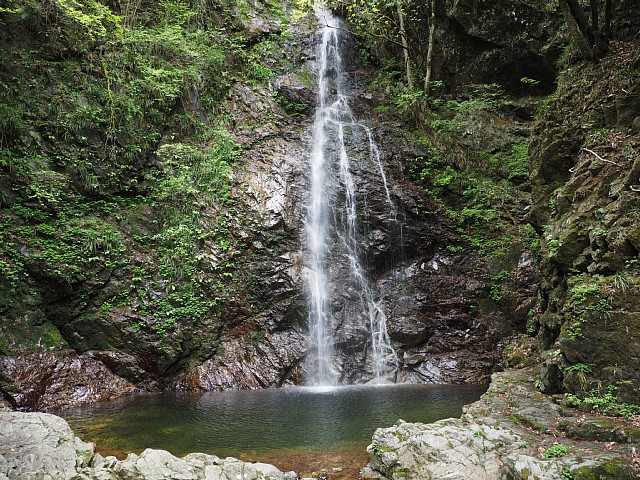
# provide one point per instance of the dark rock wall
(473, 47)
(438, 335)
(585, 173)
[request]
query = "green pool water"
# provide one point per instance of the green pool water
(232, 422)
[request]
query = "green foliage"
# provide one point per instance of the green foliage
(195, 178)
(80, 25)
(579, 367)
(9, 10)
(583, 287)
(495, 292)
(479, 434)
(60, 246)
(376, 449)
(572, 399)
(191, 181)
(606, 402)
(92, 188)
(574, 332)
(260, 72)
(584, 299)
(621, 281)
(555, 451)
(88, 22)
(477, 170)
(532, 82)
(291, 108)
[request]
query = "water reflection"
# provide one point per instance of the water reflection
(229, 423)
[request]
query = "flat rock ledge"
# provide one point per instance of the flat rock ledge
(504, 436)
(40, 446)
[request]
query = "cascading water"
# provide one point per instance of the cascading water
(333, 231)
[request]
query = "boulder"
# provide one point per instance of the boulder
(39, 445)
(509, 434)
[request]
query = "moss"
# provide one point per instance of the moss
(401, 436)
(593, 429)
(617, 469)
(51, 336)
(528, 422)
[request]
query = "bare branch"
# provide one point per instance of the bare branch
(375, 35)
(600, 158)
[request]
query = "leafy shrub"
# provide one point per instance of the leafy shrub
(555, 451)
(606, 402)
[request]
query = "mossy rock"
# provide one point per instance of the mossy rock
(604, 343)
(601, 430)
(617, 469)
(633, 236)
(521, 353)
(550, 325)
(530, 422)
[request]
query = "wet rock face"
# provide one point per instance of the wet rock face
(58, 379)
(428, 297)
(271, 361)
(430, 304)
(256, 337)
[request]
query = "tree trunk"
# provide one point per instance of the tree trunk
(574, 31)
(597, 42)
(581, 21)
(405, 47)
(594, 17)
(432, 29)
(608, 13)
(595, 27)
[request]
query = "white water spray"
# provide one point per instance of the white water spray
(327, 217)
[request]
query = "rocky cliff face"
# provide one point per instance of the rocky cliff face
(585, 174)
(472, 47)
(158, 279)
(437, 335)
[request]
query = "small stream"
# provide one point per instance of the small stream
(298, 428)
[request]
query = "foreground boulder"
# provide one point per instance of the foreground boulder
(37, 444)
(40, 446)
(513, 433)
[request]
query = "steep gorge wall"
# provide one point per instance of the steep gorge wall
(125, 249)
(584, 174)
(153, 224)
(111, 272)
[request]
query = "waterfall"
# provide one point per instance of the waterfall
(333, 230)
